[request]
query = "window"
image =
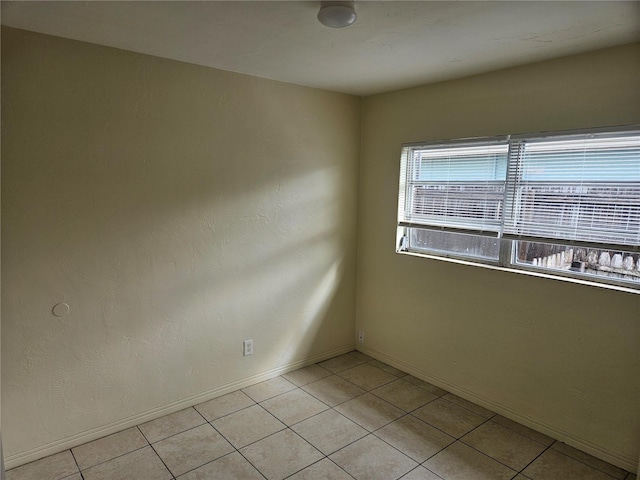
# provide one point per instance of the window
(562, 204)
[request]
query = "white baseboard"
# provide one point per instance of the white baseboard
(627, 463)
(15, 460)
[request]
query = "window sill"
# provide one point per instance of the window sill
(561, 278)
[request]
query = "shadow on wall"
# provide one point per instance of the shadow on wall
(178, 211)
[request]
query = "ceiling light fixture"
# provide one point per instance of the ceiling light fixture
(337, 14)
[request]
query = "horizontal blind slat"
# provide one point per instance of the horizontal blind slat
(456, 186)
(579, 189)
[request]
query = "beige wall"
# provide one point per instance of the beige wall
(178, 210)
(562, 357)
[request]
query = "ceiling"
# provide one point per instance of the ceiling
(392, 45)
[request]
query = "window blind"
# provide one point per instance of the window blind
(454, 186)
(577, 189)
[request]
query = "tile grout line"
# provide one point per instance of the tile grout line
(250, 443)
(382, 440)
(154, 451)
(117, 456)
(158, 455)
(431, 471)
(525, 436)
(198, 412)
(590, 466)
(536, 458)
(312, 446)
(467, 409)
(234, 448)
(492, 458)
(184, 431)
(347, 473)
(226, 414)
(396, 448)
(437, 428)
(206, 422)
(352, 442)
(173, 434)
(457, 439)
(333, 406)
(372, 392)
(374, 433)
(249, 462)
(368, 432)
(485, 455)
(76, 461)
(487, 419)
(371, 431)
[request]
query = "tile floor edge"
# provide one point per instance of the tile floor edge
(627, 463)
(18, 459)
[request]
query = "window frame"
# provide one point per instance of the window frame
(507, 247)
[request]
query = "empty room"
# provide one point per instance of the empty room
(320, 240)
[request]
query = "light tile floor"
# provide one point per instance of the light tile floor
(350, 417)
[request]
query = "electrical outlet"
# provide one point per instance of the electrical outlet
(361, 337)
(247, 347)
